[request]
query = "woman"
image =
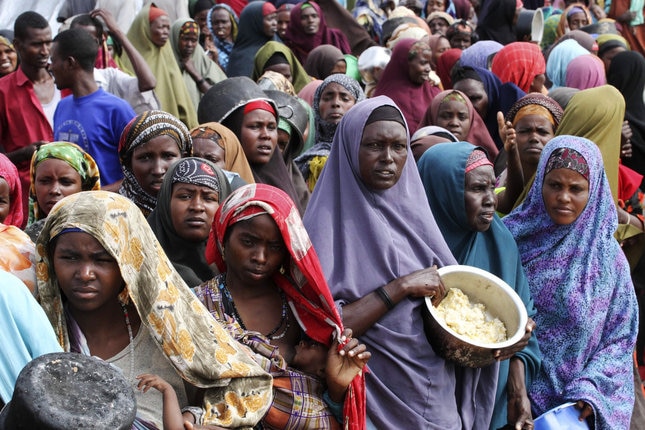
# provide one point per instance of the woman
(58, 169)
(580, 280)
(585, 71)
(452, 110)
(480, 54)
(277, 57)
(272, 309)
(219, 145)
(8, 56)
(573, 17)
(258, 25)
(626, 73)
(325, 60)
(103, 275)
(333, 99)
(438, 45)
(534, 119)
(199, 72)
(308, 29)
(459, 184)
(239, 104)
(222, 25)
(149, 33)
(521, 63)
(382, 259)
(487, 94)
(406, 80)
(149, 144)
(561, 55)
(496, 21)
(191, 192)
(10, 193)
(26, 332)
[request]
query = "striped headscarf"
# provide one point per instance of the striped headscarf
(531, 103)
(138, 132)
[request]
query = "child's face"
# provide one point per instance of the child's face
(310, 357)
(5, 203)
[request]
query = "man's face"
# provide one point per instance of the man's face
(34, 48)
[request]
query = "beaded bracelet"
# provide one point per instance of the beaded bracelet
(385, 297)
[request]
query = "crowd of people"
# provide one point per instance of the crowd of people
(239, 209)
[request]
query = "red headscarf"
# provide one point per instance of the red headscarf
(9, 173)
(477, 135)
(305, 286)
(445, 63)
(519, 63)
(301, 44)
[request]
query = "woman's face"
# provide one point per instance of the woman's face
(419, 67)
(577, 20)
(382, 154)
(160, 30)
(283, 68)
(151, 160)
(565, 193)
(476, 93)
(533, 132)
(310, 21)
(87, 274)
(254, 251)
(438, 25)
(453, 116)
(284, 17)
(5, 200)
(222, 27)
(259, 136)
(435, 6)
(270, 24)
(192, 209)
(187, 44)
(8, 59)
(480, 197)
(442, 46)
(200, 19)
(335, 101)
(54, 180)
(209, 150)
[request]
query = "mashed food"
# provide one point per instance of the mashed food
(470, 319)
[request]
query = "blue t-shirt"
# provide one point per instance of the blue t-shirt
(95, 122)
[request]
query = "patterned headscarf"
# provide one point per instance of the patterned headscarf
(567, 158)
(579, 278)
(9, 173)
(519, 63)
(138, 132)
(303, 283)
(73, 155)
(199, 349)
(324, 130)
(195, 172)
(235, 159)
(527, 105)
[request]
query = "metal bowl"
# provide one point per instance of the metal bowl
(500, 301)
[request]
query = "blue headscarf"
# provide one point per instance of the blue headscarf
(442, 168)
(587, 316)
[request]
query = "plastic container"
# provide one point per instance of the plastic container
(563, 417)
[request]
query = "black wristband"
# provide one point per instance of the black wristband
(201, 81)
(385, 297)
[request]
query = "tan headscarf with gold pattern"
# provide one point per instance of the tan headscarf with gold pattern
(238, 391)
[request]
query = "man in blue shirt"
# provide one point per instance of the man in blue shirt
(91, 117)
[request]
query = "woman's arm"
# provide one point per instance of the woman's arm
(366, 311)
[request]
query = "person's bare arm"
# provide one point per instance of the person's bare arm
(172, 416)
(202, 84)
(519, 405)
(145, 77)
(363, 313)
(23, 154)
(514, 175)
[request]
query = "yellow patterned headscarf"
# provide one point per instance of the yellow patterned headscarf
(238, 391)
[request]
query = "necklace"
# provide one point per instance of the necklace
(274, 334)
(131, 338)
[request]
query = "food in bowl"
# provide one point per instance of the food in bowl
(469, 319)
